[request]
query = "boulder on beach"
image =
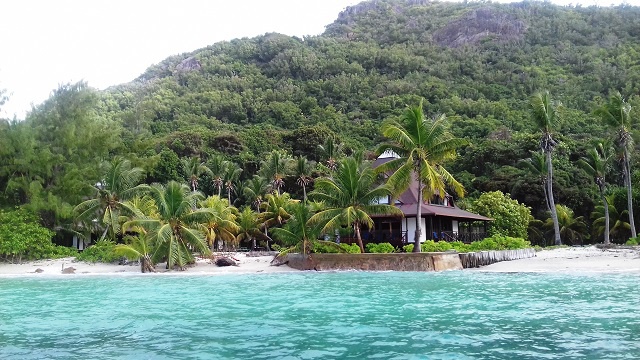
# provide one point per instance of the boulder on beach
(225, 261)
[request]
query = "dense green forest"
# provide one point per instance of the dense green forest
(235, 102)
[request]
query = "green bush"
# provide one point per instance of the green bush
(433, 246)
(351, 249)
(102, 251)
(496, 242)
(408, 248)
(632, 242)
(23, 238)
(382, 248)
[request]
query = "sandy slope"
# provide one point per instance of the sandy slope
(574, 259)
(246, 264)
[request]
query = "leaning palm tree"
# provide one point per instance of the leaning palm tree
(275, 168)
(173, 234)
(545, 116)
(255, 190)
(231, 176)
(118, 184)
(572, 228)
(596, 165)
(422, 147)
(617, 114)
(303, 174)
(221, 225)
(249, 227)
(218, 167)
(193, 169)
(276, 211)
(537, 166)
(350, 198)
(619, 229)
(138, 247)
(299, 234)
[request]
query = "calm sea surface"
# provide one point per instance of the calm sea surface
(384, 315)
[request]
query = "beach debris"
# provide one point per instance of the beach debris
(38, 271)
(69, 270)
(225, 261)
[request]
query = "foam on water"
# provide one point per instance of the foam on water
(308, 315)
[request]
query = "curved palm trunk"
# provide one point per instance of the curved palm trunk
(627, 180)
(416, 239)
(356, 227)
(146, 265)
(546, 195)
(606, 217)
(552, 203)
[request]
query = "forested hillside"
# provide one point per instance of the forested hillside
(479, 63)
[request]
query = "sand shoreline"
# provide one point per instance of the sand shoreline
(563, 260)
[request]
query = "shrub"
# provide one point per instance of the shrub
(496, 242)
(382, 248)
(408, 248)
(22, 237)
(351, 249)
(102, 251)
(432, 246)
(510, 217)
(632, 242)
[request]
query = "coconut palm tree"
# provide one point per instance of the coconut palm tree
(231, 175)
(596, 165)
(193, 169)
(218, 166)
(275, 168)
(303, 174)
(299, 234)
(422, 147)
(545, 116)
(118, 184)
(139, 248)
(221, 225)
(619, 229)
(255, 190)
(249, 227)
(572, 229)
(617, 114)
(275, 212)
(350, 197)
(174, 233)
(537, 166)
(331, 152)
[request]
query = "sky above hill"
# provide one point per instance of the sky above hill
(46, 43)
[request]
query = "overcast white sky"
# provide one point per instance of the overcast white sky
(44, 43)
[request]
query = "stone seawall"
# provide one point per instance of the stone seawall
(404, 261)
(376, 262)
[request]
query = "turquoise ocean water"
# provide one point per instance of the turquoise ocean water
(308, 315)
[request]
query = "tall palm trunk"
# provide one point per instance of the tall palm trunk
(356, 227)
(627, 181)
(552, 203)
(546, 195)
(304, 192)
(418, 233)
(606, 216)
(146, 265)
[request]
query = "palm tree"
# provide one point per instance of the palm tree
(617, 114)
(595, 165)
(299, 234)
(545, 115)
(218, 167)
(275, 212)
(221, 224)
(231, 175)
(537, 166)
(422, 146)
(249, 227)
(303, 174)
(350, 198)
(572, 228)
(255, 190)
(138, 247)
(275, 169)
(620, 227)
(173, 234)
(331, 152)
(119, 183)
(193, 169)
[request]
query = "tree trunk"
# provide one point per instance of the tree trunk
(546, 195)
(627, 175)
(552, 203)
(146, 265)
(356, 226)
(304, 192)
(416, 239)
(606, 217)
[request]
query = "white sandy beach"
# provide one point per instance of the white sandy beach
(573, 259)
(246, 264)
